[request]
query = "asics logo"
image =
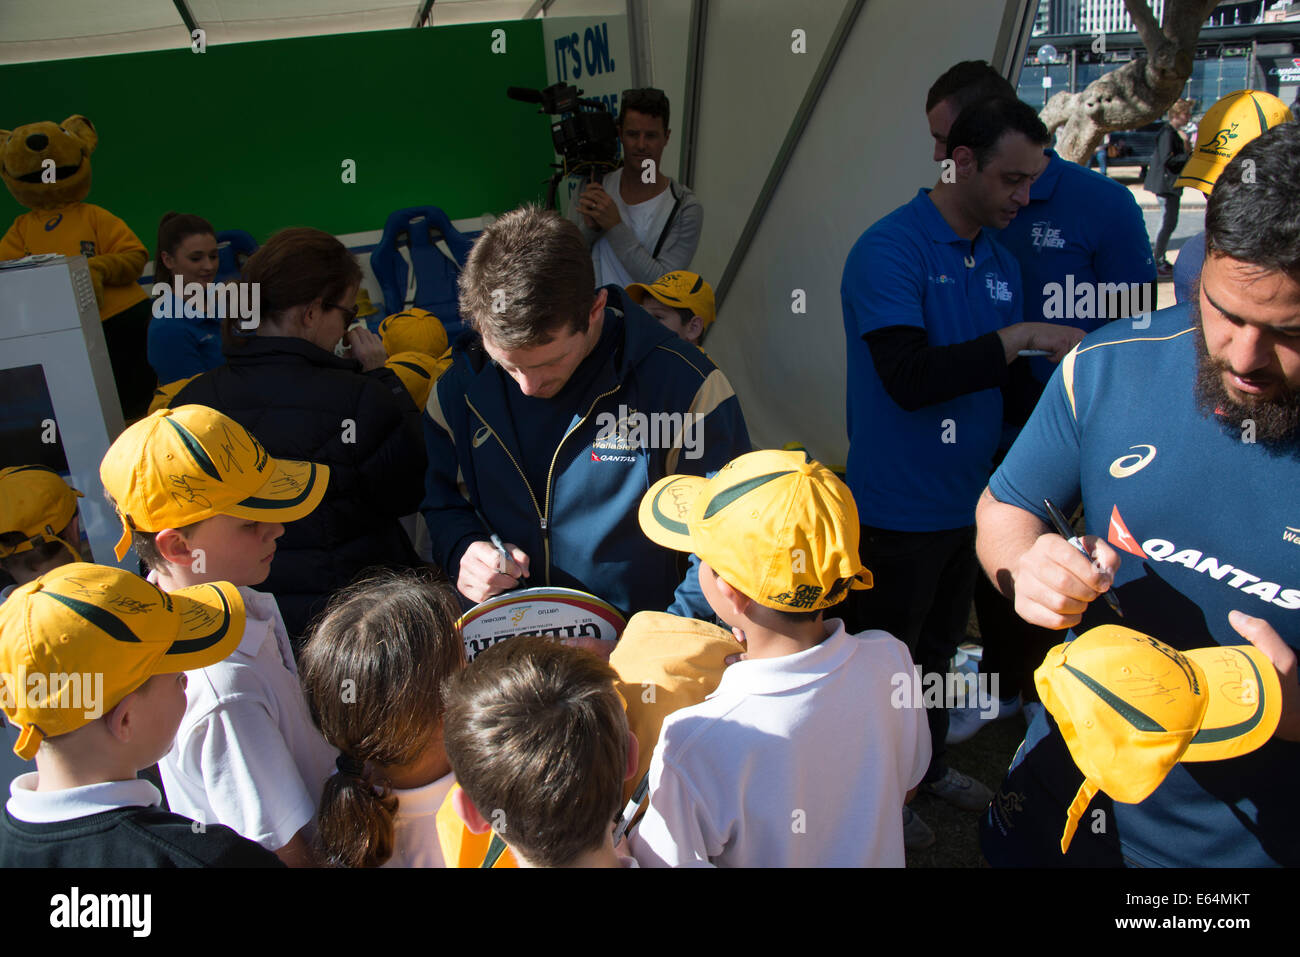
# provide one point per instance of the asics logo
(1127, 465)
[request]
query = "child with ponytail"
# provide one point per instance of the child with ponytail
(373, 673)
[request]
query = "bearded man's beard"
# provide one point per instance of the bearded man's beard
(1276, 420)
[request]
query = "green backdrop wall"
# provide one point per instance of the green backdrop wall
(254, 135)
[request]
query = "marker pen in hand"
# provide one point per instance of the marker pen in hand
(1063, 529)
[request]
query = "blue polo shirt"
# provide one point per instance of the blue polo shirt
(1204, 523)
(182, 341)
(922, 471)
(1078, 224)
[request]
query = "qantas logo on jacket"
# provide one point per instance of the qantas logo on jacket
(1162, 550)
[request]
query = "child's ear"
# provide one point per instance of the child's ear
(468, 813)
(119, 720)
(173, 548)
(633, 755)
(694, 329)
(737, 602)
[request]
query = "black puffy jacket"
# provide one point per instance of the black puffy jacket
(305, 403)
(1167, 161)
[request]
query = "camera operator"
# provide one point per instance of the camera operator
(644, 224)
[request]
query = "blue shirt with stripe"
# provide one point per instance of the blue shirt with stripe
(1204, 523)
(922, 471)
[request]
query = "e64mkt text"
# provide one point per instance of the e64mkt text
(1159, 900)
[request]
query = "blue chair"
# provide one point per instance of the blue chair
(420, 228)
(234, 246)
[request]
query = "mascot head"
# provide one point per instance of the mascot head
(47, 165)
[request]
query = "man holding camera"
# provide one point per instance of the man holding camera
(639, 223)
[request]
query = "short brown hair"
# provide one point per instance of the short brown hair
(293, 268)
(145, 543)
(536, 732)
(372, 672)
(528, 278)
(37, 559)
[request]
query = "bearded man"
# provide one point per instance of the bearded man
(1180, 433)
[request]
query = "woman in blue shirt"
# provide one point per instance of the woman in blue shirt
(183, 341)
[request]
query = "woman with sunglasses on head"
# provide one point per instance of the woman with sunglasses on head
(306, 385)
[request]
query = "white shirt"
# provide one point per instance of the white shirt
(46, 807)
(798, 761)
(415, 832)
(247, 754)
(646, 220)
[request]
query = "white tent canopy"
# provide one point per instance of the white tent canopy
(33, 30)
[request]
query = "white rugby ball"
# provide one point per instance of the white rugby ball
(555, 612)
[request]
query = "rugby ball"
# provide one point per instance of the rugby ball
(556, 612)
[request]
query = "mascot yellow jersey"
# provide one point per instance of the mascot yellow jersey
(84, 229)
(46, 167)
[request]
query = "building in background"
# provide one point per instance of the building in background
(1244, 45)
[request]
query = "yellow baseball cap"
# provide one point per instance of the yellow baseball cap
(180, 466)
(413, 330)
(35, 501)
(419, 372)
(1226, 127)
(680, 290)
(776, 525)
(1130, 707)
(79, 639)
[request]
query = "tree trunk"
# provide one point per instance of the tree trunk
(1138, 92)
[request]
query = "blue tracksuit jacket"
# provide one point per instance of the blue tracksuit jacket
(581, 530)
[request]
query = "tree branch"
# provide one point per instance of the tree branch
(1144, 20)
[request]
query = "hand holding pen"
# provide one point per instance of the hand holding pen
(1060, 574)
(1063, 529)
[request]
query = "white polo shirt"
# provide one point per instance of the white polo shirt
(47, 807)
(247, 754)
(798, 761)
(415, 831)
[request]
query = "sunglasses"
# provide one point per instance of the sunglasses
(350, 315)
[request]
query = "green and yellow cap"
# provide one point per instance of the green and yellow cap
(1226, 127)
(180, 466)
(1130, 707)
(776, 525)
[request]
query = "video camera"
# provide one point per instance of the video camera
(586, 139)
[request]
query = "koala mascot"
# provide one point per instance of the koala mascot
(46, 167)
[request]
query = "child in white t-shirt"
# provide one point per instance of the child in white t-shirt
(373, 671)
(202, 501)
(799, 758)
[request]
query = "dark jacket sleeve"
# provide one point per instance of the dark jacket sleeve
(453, 525)
(1166, 162)
(917, 374)
(390, 444)
(725, 437)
